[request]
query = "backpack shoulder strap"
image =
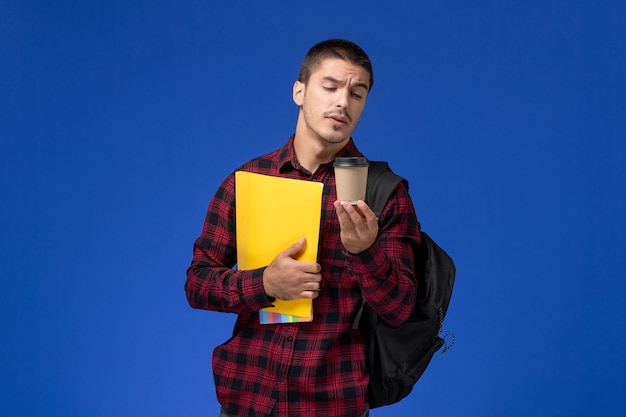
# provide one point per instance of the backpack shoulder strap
(381, 181)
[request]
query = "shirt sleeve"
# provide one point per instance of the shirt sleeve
(386, 270)
(212, 283)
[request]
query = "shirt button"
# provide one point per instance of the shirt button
(289, 338)
(280, 379)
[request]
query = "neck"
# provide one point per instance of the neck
(312, 151)
(311, 155)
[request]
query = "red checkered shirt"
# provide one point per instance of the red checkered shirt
(301, 369)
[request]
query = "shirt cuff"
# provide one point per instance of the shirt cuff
(254, 292)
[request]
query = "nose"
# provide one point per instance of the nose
(342, 100)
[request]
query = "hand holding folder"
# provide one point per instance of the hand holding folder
(272, 214)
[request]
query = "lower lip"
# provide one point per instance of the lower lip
(337, 122)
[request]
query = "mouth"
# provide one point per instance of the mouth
(338, 119)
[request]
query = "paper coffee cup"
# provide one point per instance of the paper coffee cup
(351, 178)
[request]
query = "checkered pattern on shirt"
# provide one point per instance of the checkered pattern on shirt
(304, 369)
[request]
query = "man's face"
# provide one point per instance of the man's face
(332, 101)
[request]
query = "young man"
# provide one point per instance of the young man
(317, 368)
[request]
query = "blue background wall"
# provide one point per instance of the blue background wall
(118, 120)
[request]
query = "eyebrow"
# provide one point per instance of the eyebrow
(358, 84)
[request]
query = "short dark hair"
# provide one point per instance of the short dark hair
(334, 48)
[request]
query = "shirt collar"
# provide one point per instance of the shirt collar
(287, 156)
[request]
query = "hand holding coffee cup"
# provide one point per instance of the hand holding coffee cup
(358, 224)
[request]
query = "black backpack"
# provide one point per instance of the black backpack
(397, 357)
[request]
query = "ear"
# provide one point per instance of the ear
(298, 93)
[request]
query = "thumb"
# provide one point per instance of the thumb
(293, 250)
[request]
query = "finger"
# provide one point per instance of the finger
(345, 214)
(312, 268)
(314, 286)
(293, 250)
(310, 294)
(342, 215)
(313, 283)
(365, 210)
(354, 212)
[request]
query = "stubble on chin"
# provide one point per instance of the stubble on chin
(334, 139)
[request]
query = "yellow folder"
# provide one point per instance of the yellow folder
(273, 213)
